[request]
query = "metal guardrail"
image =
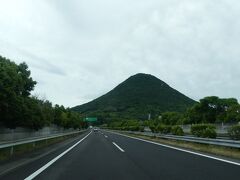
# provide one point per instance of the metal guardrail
(218, 142)
(33, 140)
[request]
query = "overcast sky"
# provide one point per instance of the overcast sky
(78, 50)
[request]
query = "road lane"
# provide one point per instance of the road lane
(39, 171)
(118, 147)
(95, 158)
(98, 157)
(165, 163)
(39, 160)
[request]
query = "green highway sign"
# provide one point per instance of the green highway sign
(90, 119)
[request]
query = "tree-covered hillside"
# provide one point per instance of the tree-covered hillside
(138, 96)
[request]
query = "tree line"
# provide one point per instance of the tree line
(201, 116)
(18, 108)
(208, 110)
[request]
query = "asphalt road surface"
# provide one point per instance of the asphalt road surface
(108, 156)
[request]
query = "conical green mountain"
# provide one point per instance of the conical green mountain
(136, 97)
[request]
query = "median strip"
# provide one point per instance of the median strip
(118, 147)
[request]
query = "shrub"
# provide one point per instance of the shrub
(177, 130)
(117, 128)
(123, 128)
(141, 128)
(209, 133)
(153, 128)
(234, 132)
(133, 128)
(204, 130)
(163, 129)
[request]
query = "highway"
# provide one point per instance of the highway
(106, 155)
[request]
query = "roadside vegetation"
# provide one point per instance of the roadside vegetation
(234, 132)
(204, 130)
(201, 116)
(198, 130)
(18, 108)
(131, 125)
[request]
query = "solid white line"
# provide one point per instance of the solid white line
(36, 173)
(118, 147)
(179, 149)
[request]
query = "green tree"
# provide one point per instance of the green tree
(171, 118)
(211, 109)
(15, 85)
(233, 114)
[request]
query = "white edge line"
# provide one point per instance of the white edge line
(118, 147)
(36, 173)
(179, 149)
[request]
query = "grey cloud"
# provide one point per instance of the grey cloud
(35, 61)
(93, 45)
(43, 64)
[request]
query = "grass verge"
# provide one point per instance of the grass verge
(211, 149)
